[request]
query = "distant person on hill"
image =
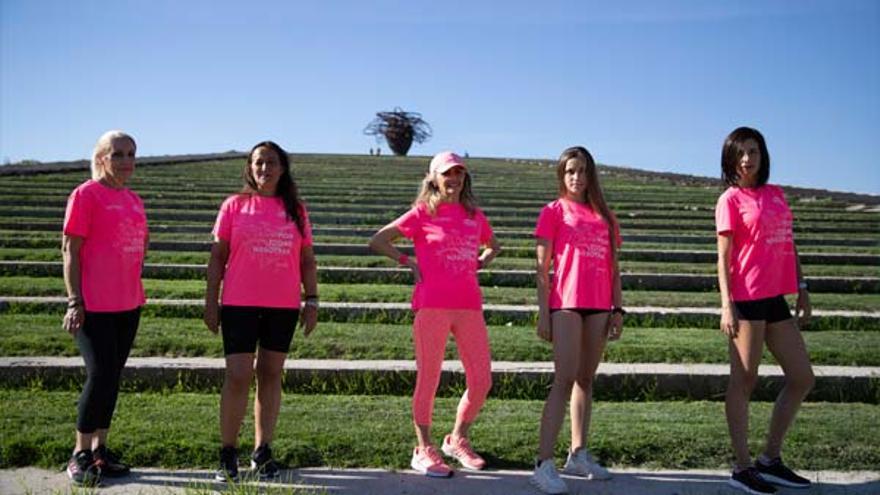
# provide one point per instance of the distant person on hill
(103, 246)
(263, 255)
(579, 309)
(757, 265)
(448, 230)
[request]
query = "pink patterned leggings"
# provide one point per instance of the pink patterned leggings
(430, 331)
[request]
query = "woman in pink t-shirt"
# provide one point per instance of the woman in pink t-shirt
(579, 308)
(263, 255)
(757, 265)
(447, 230)
(104, 244)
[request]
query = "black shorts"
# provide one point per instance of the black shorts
(244, 326)
(584, 312)
(771, 309)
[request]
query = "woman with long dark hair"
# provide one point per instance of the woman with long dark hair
(579, 309)
(757, 266)
(263, 256)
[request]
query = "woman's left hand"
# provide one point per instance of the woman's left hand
(615, 326)
(309, 319)
(802, 308)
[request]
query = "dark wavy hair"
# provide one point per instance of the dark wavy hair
(286, 188)
(732, 151)
(592, 193)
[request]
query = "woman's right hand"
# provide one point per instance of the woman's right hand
(729, 324)
(212, 316)
(73, 319)
(545, 330)
(417, 275)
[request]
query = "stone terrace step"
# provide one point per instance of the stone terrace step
(501, 278)
(614, 381)
(497, 314)
(347, 231)
(657, 255)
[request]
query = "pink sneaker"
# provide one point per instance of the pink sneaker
(461, 450)
(428, 462)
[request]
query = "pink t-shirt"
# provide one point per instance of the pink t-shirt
(264, 252)
(582, 259)
(113, 226)
(763, 261)
(447, 246)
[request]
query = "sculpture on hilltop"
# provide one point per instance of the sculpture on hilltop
(399, 129)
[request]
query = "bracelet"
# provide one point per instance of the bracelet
(618, 310)
(803, 285)
(403, 260)
(74, 304)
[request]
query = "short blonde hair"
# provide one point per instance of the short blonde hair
(102, 146)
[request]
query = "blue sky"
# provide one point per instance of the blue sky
(653, 85)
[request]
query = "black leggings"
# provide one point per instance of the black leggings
(104, 341)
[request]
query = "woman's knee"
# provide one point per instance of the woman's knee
(238, 378)
(743, 382)
(801, 382)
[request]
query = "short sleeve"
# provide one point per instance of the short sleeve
(78, 216)
(486, 232)
(725, 215)
(409, 223)
(548, 223)
(223, 225)
(307, 227)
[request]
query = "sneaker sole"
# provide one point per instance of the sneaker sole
(769, 478)
(223, 479)
(742, 487)
(427, 473)
(261, 475)
(588, 477)
(537, 486)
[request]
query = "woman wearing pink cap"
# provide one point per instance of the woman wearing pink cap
(757, 265)
(578, 310)
(263, 254)
(104, 244)
(447, 229)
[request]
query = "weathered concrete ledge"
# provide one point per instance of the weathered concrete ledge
(495, 314)
(500, 278)
(640, 381)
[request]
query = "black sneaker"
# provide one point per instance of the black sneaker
(228, 465)
(109, 463)
(750, 481)
(263, 463)
(82, 470)
(777, 473)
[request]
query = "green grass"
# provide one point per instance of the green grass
(375, 431)
(41, 335)
(195, 289)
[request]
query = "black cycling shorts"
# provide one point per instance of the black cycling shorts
(584, 312)
(771, 309)
(245, 326)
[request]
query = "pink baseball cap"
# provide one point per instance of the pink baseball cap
(444, 161)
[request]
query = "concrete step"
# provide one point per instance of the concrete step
(614, 381)
(500, 278)
(523, 233)
(343, 249)
(495, 314)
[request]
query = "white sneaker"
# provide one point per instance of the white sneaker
(547, 479)
(581, 463)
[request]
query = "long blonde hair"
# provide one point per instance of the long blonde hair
(429, 194)
(592, 193)
(103, 146)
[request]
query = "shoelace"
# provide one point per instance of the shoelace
(432, 454)
(463, 448)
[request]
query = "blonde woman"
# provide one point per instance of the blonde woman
(448, 230)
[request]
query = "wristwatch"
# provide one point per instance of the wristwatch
(618, 310)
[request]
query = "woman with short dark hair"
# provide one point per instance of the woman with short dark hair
(757, 266)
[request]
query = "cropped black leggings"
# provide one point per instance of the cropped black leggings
(104, 341)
